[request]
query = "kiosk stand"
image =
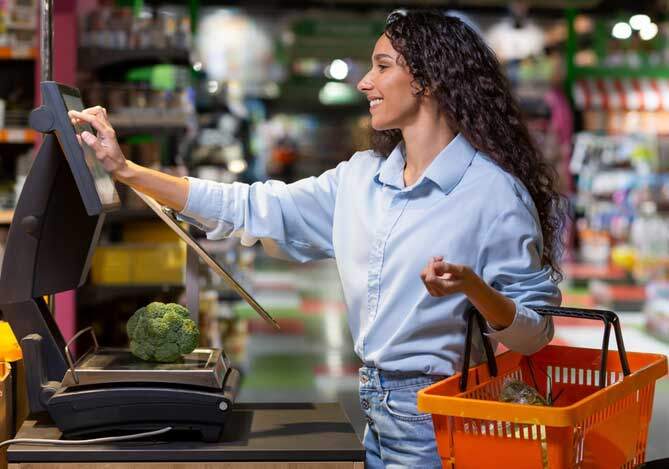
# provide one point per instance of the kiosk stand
(57, 224)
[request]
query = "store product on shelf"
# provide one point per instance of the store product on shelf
(625, 197)
(117, 28)
(17, 23)
(141, 104)
(139, 264)
(656, 309)
(650, 238)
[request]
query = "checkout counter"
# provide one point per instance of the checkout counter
(188, 407)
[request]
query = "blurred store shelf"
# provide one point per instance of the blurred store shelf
(586, 271)
(93, 58)
(17, 135)
(95, 294)
(143, 121)
(620, 298)
(18, 53)
(6, 217)
(23, 26)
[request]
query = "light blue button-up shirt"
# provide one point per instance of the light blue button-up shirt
(382, 234)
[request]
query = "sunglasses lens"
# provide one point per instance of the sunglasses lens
(395, 15)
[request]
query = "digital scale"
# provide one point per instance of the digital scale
(55, 229)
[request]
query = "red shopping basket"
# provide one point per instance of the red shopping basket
(599, 419)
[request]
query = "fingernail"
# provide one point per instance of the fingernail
(88, 137)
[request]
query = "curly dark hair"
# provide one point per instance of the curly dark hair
(448, 58)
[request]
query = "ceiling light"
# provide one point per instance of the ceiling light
(621, 31)
(648, 32)
(639, 21)
(338, 69)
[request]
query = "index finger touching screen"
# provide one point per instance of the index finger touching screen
(104, 184)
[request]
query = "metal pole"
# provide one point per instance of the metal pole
(46, 69)
(46, 36)
(193, 284)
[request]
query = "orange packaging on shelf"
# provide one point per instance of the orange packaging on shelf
(10, 351)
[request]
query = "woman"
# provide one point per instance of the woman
(453, 206)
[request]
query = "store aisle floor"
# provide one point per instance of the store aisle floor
(312, 358)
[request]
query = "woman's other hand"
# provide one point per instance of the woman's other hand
(104, 144)
(442, 278)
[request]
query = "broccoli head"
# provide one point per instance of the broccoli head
(162, 332)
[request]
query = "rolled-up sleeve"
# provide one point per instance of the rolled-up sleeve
(511, 263)
(291, 220)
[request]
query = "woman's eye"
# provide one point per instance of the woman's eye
(382, 67)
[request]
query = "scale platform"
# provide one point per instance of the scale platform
(203, 367)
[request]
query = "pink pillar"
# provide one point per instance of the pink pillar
(64, 71)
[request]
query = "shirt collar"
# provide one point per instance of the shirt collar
(446, 170)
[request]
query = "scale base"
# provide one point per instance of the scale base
(95, 409)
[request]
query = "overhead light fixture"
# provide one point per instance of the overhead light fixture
(338, 69)
(648, 32)
(197, 66)
(639, 21)
(621, 31)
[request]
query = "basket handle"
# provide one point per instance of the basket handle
(471, 313)
(609, 318)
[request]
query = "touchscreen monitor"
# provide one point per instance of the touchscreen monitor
(104, 184)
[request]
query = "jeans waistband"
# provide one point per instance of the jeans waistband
(372, 377)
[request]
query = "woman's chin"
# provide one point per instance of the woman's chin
(380, 126)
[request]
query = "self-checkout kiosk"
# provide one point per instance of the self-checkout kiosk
(56, 226)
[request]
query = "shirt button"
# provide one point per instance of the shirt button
(365, 404)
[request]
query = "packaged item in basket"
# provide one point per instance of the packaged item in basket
(519, 392)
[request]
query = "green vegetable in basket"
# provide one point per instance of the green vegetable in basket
(162, 332)
(519, 392)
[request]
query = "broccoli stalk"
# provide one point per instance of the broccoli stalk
(162, 332)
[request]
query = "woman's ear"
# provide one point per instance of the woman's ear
(419, 89)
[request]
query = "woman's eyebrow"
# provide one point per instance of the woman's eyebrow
(378, 57)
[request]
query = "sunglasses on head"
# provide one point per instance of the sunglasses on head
(396, 14)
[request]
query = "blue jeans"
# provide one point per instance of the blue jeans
(397, 435)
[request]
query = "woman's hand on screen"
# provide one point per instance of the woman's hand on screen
(104, 144)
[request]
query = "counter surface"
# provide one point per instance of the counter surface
(254, 432)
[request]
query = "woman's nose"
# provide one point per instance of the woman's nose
(365, 84)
